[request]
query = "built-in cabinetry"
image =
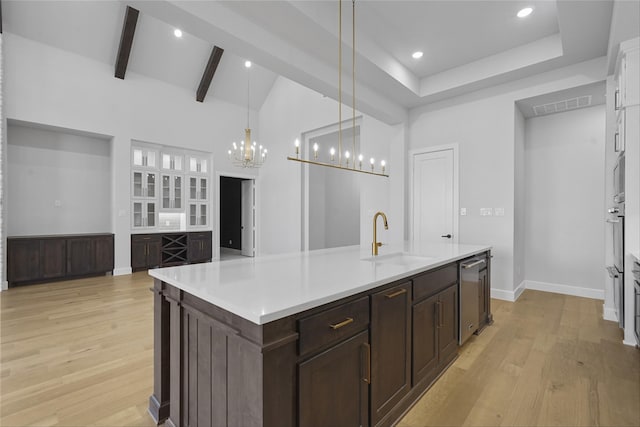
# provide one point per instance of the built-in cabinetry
(169, 249)
(359, 361)
(170, 189)
(34, 259)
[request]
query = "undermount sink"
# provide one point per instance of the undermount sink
(398, 258)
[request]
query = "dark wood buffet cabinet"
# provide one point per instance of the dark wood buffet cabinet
(36, 259)
(169, 249)
(360, 361)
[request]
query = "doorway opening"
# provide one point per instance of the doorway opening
(237, 217)
(331, 197)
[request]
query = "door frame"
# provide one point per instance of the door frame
(256, 201)
(456, 182)
(305, 149)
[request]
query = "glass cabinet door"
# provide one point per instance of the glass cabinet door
(203, 215)
(151, 185)
(137, 214)
(177, 192)
(203, 189)
(193, 216)
(137, 184)
(151, 214)
(166, 191)
(193, 188)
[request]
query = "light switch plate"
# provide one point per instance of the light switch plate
(499, 211)
(463, 211)
(486, 211)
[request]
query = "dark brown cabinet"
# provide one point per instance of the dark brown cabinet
(199, 247)
(168, 249)
(33, 259)
(333, 389)
(390, 349)
(145, 251)
(434, 322)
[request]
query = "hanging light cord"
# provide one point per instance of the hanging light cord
(248, 71)
(340, 84)
(353, 59)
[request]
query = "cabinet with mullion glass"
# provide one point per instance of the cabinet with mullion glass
(144, 203)
(172, 198)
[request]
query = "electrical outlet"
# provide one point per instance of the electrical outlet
(499, 211)
(463, 211)
(57, 203)
(231, 242)
(486, 211)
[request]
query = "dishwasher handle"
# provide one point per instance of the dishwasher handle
(473, 264)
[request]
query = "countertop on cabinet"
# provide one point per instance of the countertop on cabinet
(268, 288)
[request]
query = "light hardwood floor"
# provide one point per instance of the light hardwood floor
(79, 353)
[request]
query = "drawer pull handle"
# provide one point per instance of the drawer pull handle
(396, 293)
(345, 322)
(367, 363)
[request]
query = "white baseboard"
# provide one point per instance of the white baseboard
(5, 286)
(565, 289)
(122, 271)
(609, 313)
(510, 296)
(632, 343)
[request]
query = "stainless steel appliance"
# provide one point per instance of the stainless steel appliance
(616, 271)
(469, 294)
(618, 180)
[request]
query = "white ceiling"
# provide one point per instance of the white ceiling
(468, 45)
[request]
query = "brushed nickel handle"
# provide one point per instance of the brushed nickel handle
(367, 363)
(616, 100)
(396, 293)
(473, 264)
(345, 322)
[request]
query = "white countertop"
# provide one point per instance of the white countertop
(264, 289)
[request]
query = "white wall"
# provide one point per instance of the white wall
(482, 123)
(519, 210)
(564, 202)
(57, 183)
(58, 88)
(291, 110)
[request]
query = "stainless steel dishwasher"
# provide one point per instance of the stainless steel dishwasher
(469, 294)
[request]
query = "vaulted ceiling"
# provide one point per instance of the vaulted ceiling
(467, 45)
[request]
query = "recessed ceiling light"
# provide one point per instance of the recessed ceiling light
(417, 55)
(247, 64)
(525, 12)
(177, 33)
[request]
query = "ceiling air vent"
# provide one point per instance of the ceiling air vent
(560, 106)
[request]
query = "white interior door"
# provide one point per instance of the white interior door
(248, 217)
(434, 208)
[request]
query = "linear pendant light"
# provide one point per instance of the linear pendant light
(349, 164)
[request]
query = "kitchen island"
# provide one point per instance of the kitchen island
(329, 337)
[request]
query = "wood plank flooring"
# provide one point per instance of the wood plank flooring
(79, 353)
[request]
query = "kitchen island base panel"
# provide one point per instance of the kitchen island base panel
(222, 369)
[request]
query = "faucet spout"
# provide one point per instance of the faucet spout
(375, 245)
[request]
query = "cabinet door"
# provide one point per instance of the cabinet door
(199, 247)
(23, 260)
(80, 256)
(154, 253)
(448, 326)
(103, 254)
(53, 258)
(138, 253)
(332, 387)
(390, 349)
(425, 338)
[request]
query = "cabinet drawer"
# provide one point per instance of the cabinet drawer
(146, 238)
(331, 326)
(434, 281)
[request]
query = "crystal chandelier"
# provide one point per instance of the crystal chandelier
(247, 154)
(346, 160)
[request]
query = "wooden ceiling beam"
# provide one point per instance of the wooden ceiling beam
(209, 71)
(126, 41)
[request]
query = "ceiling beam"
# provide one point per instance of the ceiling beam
(209, 71)
(126, 41)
